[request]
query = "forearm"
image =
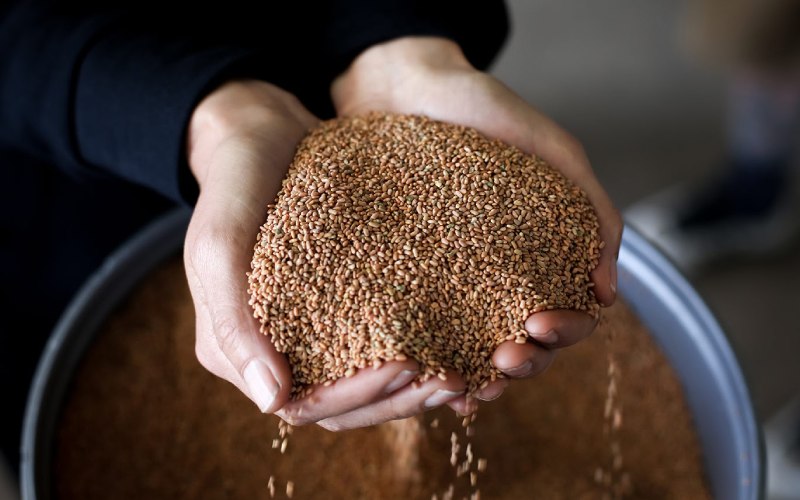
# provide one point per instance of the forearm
(479, 27)
(94, 92)
(386, 70)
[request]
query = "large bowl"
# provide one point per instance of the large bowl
(687, 332)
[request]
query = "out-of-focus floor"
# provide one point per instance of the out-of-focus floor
(616, 75)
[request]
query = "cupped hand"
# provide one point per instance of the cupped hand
(241, 140)
(431, 76)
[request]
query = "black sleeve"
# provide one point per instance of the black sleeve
(96, 90)
(480, 27)
(87, 92)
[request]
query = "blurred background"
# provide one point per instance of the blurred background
(619, 76)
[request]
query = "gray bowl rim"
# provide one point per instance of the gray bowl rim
(163, 238)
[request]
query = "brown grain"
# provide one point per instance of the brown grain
(143, 419)
(398, 237)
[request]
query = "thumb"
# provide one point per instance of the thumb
(217, 255)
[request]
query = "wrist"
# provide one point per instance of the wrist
(235, 109)
(387, 69)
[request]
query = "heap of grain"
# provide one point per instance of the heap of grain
(143, 419)
(399, 236)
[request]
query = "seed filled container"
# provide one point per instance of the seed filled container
(120, 407)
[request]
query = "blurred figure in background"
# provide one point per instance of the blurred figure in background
(751, 206)
(748, 208)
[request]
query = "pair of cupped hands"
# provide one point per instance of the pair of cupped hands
(241, 140)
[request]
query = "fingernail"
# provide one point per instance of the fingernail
(441, 397)
(401, 380)
(520, 371)
(262, 384)
(550, 337)
(495, 392)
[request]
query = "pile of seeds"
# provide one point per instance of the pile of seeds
(399, 236)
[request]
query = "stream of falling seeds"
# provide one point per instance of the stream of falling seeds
(613, 478)
(469, 467)
(281, 443)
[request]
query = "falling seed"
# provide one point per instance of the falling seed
(289, 489)
(448, 495)
(598, 475)
(617, 421)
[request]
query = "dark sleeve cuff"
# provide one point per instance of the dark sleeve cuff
(134, 98)
(478, 27)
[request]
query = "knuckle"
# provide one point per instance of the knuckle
(226, 333)
(618, 225)
(331, 425)
(542, 363)
(392, 410)
(292, 417)
(203, 356)
(206, 245)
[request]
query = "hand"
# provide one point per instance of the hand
(241, 140)
(431, 76)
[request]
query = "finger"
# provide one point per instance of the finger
(522, 360)
(464, 405)
(347, 394)
(211, 358)
(605, 274)
(231, 334)
(243, 178)
(492, 391)
(409, 401)
(560, 328)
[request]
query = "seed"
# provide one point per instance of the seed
(271, 486)
(289, 489)
(400, 238)
(454, 447)
(284, 444)
(482, 463)
(448, 495)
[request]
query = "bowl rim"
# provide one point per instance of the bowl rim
(163, 238)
